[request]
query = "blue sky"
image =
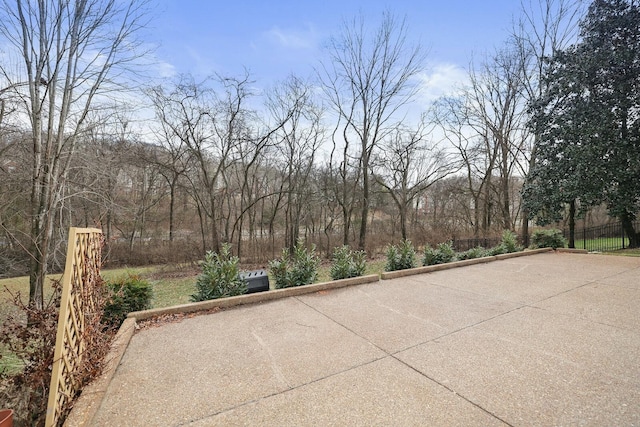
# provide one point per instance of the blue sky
(275, 38)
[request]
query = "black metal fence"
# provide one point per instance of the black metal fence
(603, 238)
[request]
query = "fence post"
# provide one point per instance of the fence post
(584, 238)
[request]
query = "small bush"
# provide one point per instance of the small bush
(295, 269)
(347, 263)
(548, 239)
(401, 257)
(477, 252)
(497, 250)
(442, 254)
(220, 277)
(510, 242)
(125, 295)
(430, 256)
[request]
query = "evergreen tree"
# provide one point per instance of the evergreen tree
(589, 120)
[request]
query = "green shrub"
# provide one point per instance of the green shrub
(548, 239)
(430, 256)
(497, 250)
(401, 257)
(442, 254)
(347, 263)
(125, 295)
(220, 276)
(296, 269)
(477, 252)
(508, 244)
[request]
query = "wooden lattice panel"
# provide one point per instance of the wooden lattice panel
(78, 297)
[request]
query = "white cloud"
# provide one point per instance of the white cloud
(441, 80)
(293, 38)
(166, 70)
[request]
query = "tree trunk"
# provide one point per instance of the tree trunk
(172, 203)
(38, 266)
(362, 238)
(627, 226)
(476, 215)
(572, 224)
(215, 238)
(403, 222)
(346, 225)
(41, 227)
(506, 200)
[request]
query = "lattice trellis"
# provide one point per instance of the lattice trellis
(83, 264)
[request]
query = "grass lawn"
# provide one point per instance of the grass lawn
(172, 285)
(625, 252)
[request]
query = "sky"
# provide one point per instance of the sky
(273, 39)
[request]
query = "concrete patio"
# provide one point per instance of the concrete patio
(546, 339)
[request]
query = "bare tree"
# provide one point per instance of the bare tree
(485, 123)
(451, 114)
(186, 113)
(409, 163)
(175, 158)
(296, 143)
(498, 107)
(71, 54)
(367, 80)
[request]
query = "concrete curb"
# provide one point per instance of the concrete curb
(430, 268)
(572, 251)
(252, 298)
(90, 399)
(526, 252)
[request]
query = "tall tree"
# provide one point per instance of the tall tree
(297, 143)
(185, 110)
(368, 79)
(408, 164)
(70, 54)
(485, 124)
(543, 27)
(497, 108)
(589, 119)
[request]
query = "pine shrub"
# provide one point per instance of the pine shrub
(125, 295)
(510, 242)
(295, 269)
(347, 263)
(401, 257)
(220, 277)
(442, 254)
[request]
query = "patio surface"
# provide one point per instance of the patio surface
(546, 339)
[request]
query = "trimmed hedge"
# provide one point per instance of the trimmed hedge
(125, 295)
